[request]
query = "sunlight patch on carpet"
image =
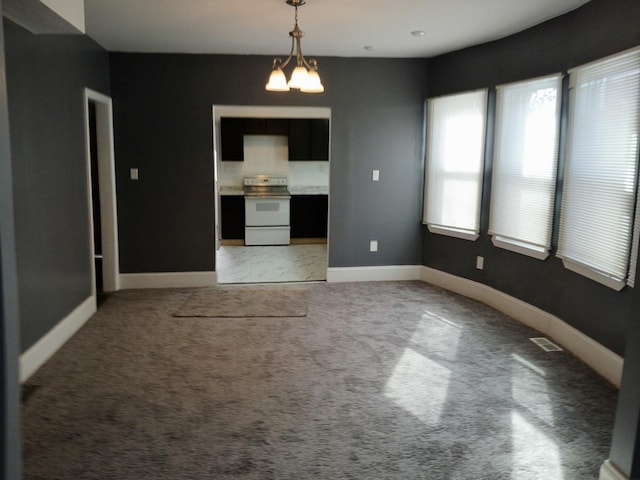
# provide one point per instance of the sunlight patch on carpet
(534, 454)
(536, 400)
(419, 386)
(529, 365)
(437, 335)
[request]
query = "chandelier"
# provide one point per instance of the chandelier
(305, 75)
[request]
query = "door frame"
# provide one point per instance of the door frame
(107, 182)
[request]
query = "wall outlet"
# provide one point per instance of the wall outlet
(480, 263)
(133, 173)
(375, 176)
(373, 246)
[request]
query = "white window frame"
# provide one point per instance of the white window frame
(509, 158)
(436, 176)
(608, 278)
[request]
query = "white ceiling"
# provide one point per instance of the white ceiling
(332, 27)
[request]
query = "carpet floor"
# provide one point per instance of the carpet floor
(231, 301)
(384, 380)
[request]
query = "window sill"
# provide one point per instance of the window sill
(520, 247)
(594, 275)
(454, 232)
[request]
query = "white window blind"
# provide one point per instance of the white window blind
(525, 164)
(599, 195)
(455, 151)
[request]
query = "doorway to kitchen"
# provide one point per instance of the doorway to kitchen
(288, 146)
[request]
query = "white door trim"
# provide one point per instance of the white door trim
(107, 181)
(264, 111)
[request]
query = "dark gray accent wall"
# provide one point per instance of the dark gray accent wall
(10, 451)
(162, 107)
(46, 77)
(598, 29)
(625, 444)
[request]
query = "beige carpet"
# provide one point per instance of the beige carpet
(241, 302)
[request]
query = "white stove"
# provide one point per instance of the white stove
(267, 212)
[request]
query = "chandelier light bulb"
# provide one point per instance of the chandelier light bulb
(298, 77)
(277, 81)
(313, 84)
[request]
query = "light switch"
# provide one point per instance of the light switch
(134, 173)
(375, 176)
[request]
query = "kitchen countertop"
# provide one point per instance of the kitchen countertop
(294, 189)
(308, 190)
(227, 190)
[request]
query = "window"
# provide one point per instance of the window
(455, 150)
(600, 179)
(524, 165)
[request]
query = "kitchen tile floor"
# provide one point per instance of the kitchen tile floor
(270, 264)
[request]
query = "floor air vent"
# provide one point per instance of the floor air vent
(546, 344)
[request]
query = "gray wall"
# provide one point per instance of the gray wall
(46, 75)
(162, 107)
(10, 456)
(625, 442)
(600, 28)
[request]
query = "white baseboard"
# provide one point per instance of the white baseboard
(36, 356)
(168, 280)
(374, 274)
(601, 359)
(609, 472)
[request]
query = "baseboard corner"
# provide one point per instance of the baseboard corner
(38, 354)
(608, 471)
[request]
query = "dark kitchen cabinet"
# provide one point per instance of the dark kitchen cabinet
(232, 139)
(299, 144)
(309, 139)
(309, 216)
(254, 126)
(232, 217)
(319, 139)
(266, 126)
(233, 130)
(277, 126)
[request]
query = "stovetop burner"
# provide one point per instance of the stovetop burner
(265, 186)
